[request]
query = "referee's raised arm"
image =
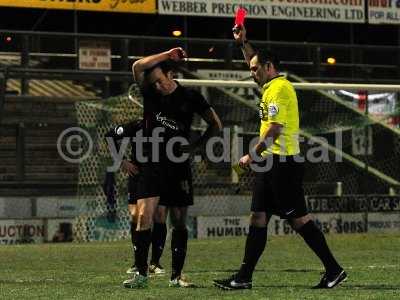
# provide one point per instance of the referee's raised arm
(239, 34)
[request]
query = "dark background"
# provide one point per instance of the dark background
(157, 25)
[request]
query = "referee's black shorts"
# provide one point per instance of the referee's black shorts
(176, 185)
(278, 187)
(145, 184)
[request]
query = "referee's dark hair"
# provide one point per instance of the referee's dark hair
(264, 56)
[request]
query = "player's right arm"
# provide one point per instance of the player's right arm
(140, 66)
(125, 131)
(239, 34)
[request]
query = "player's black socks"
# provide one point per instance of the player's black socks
(133, 230)
(178, 247)
(316, 241)
(158, 237)
(142, 244)
(255, 245)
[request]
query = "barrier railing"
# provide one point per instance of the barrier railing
(58, 50)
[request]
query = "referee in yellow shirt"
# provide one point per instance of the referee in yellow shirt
(278, 188)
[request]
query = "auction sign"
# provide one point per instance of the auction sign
(128, 6)
(21, 231)
(349, 11)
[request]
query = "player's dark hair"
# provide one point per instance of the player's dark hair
(165, 66)
(264, 56)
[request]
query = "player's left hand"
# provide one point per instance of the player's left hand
(245, 161)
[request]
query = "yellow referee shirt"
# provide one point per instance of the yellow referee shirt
(279, 105)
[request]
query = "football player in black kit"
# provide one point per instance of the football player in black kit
(131, 168)
(168, 107)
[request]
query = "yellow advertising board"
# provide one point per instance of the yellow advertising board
(127, 6)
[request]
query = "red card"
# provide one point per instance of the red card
(239, 17)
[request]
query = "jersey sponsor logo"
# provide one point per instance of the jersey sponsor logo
(273, 110)
(171, 124)
(261, 112)
(119, 130)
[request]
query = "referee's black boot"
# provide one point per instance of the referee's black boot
(330, 280)
(233, 283)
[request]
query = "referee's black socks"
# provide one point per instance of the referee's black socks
(142, 244)
(158, 237)
(255, 245)
(316, 241)
(178, 247)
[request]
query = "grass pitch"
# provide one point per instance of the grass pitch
(287, 270)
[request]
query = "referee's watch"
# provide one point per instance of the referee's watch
(253, 155)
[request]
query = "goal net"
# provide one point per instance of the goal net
(350, 139)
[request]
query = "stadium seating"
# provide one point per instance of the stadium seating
(28, 147)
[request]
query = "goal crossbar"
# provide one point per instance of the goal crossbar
(297, 85)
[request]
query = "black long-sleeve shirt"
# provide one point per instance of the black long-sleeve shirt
(128, 130)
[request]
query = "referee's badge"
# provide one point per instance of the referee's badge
(272, 110)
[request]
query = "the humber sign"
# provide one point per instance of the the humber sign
(127, 6)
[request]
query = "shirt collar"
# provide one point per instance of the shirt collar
(269, 82)
(177, 89)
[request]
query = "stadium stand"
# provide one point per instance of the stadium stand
(29, 132)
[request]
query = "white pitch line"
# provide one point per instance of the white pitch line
(373, 267)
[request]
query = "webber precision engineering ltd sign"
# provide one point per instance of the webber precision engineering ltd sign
(349, 11)
(128, 6)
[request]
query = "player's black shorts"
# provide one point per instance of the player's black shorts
(279, 190)
(146, 184)
(173, 183)
(176, 185)
(132, 188)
